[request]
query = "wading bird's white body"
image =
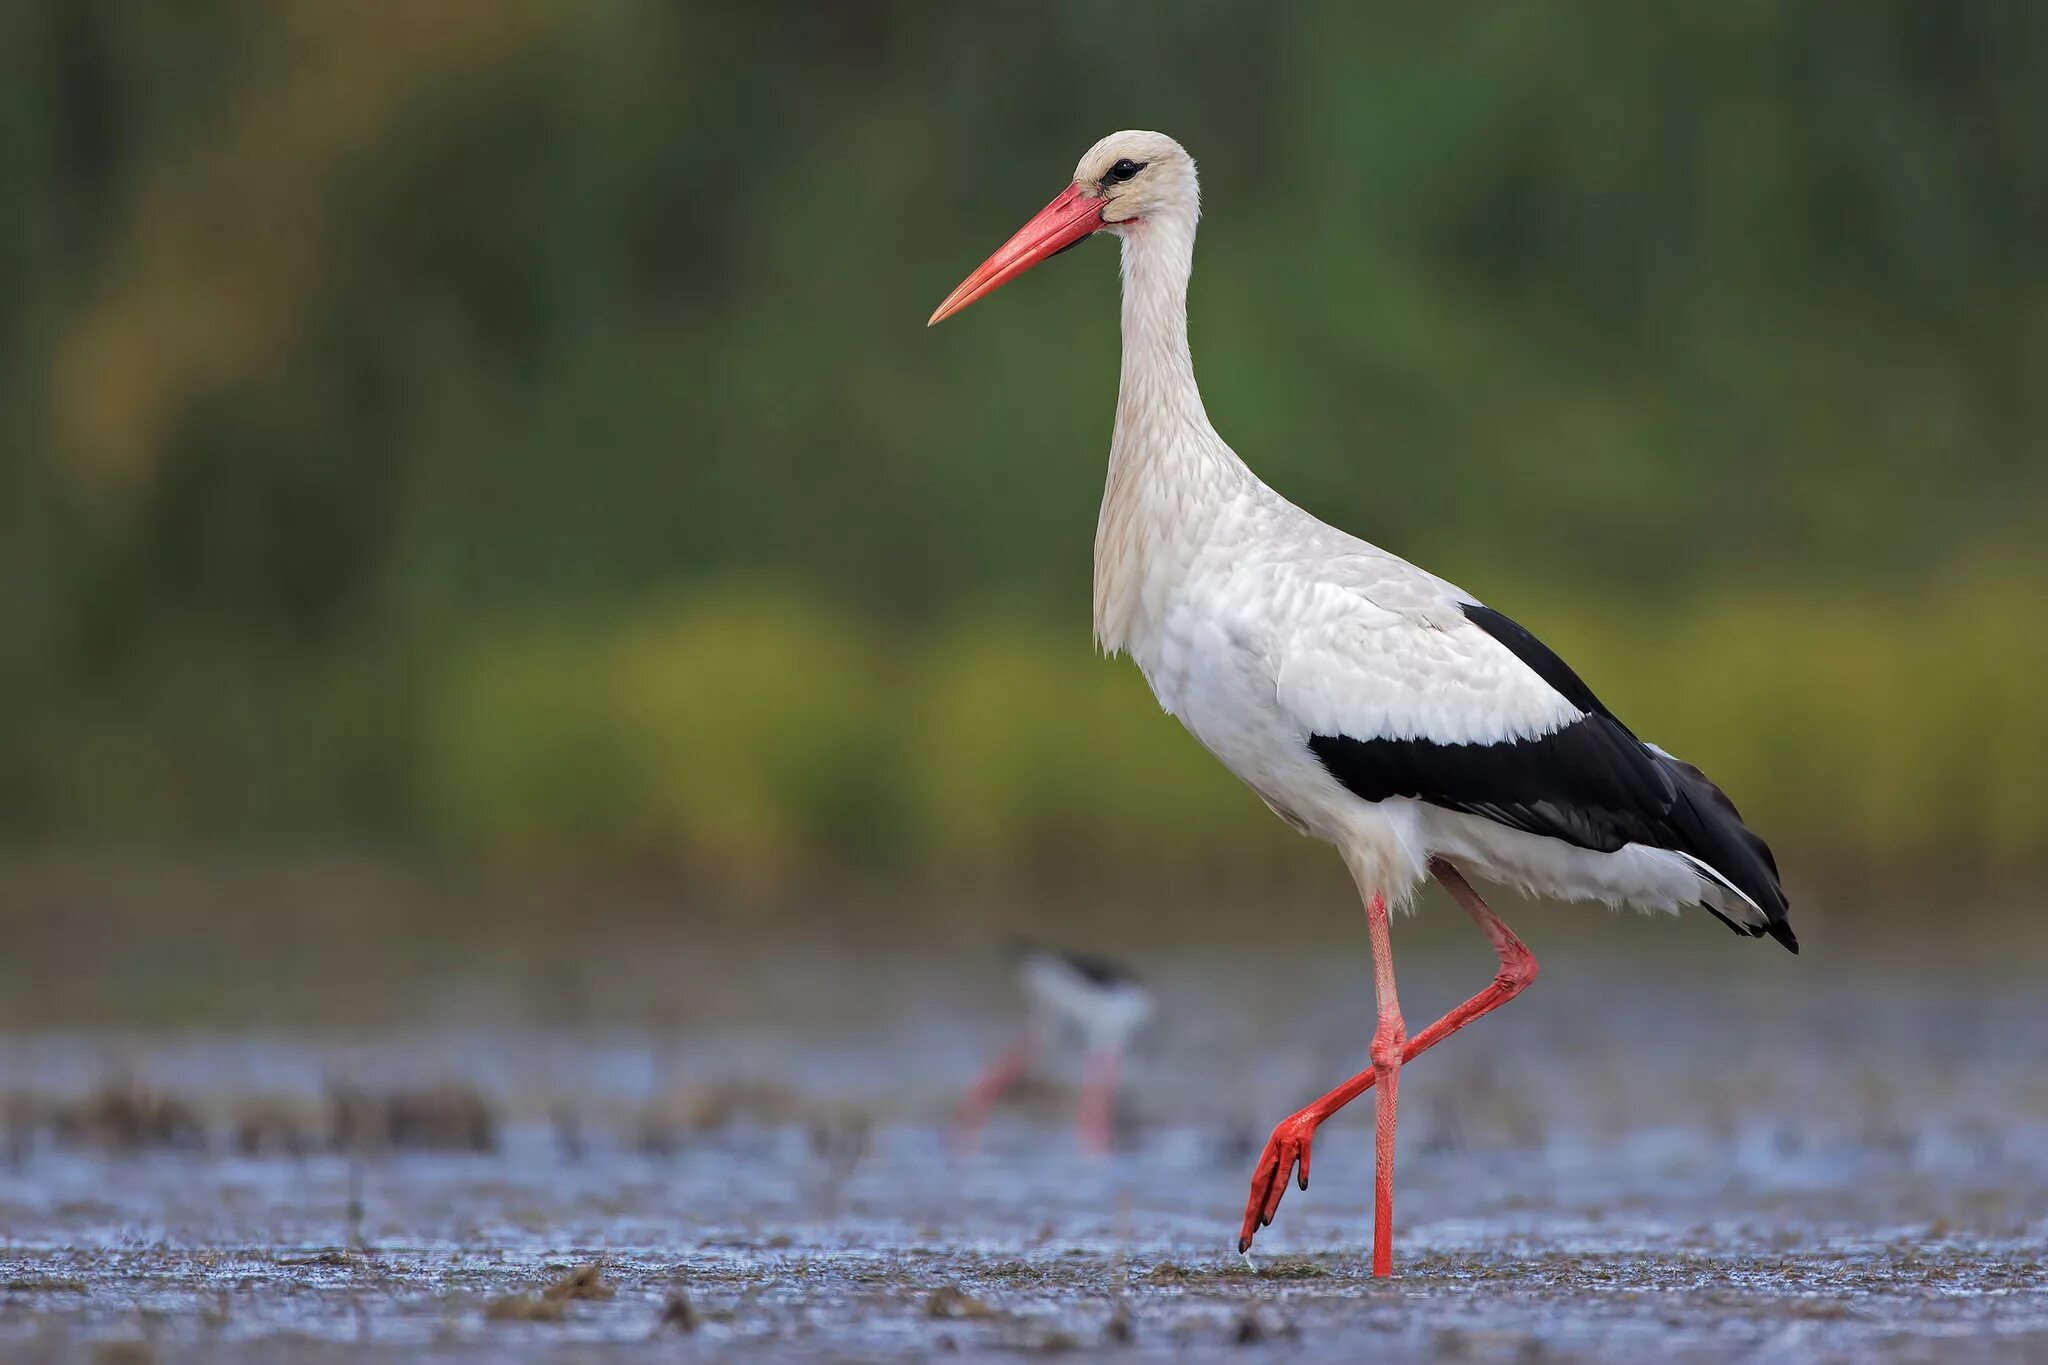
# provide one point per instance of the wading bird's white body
(1369, 703)
(1101, 1001)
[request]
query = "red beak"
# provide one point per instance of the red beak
(1060, 224)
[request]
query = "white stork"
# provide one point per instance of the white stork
(1102, 1001)
(1368, 702)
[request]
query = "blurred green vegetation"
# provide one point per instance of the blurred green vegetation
(510, 428)
(698, 727)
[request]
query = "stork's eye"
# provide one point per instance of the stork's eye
(1123, 170)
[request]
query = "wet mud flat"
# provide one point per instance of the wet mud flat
(755, 1243)
(1631, 1164)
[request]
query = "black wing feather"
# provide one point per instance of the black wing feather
(1591, 784)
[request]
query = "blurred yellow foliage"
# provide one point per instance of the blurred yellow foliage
(731, 730)
(755, 733)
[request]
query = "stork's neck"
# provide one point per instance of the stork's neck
(1169, 472)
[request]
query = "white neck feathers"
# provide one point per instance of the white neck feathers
(1168, 469)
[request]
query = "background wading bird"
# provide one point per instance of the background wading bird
(1369, 703)
(1101, 1000)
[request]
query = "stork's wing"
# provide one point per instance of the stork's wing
(1470, 712)
(1352, 666)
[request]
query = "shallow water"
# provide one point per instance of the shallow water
(1797, 1163)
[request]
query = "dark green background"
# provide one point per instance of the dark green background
(509, 430)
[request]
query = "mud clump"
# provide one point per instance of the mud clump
(1252, 1330)
(677, 1314)
(526, 1308)
(551, 1303)
(1296, 1270)
(45, 1286)
(584, 1282)
(951, 1302)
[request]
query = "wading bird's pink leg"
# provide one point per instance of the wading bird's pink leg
(1388, 1042)
(1095, 1118)
(981, 1097)
(1287, 1150)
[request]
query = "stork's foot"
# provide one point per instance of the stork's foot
(1286, 1152)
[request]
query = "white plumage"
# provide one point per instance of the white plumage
(1103, 1003)
(1368, 702)
(1258, 625)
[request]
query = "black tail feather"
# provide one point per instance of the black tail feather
(1714, 829)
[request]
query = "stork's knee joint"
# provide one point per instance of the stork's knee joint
(1388, 1044)
(1517, 970)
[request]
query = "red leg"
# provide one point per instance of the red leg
(1096, 1116)
(1388, 1042)
(981, 1097)
(1287, 1150)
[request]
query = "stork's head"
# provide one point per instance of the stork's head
(1125, 181)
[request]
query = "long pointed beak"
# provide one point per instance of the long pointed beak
(1060, 224)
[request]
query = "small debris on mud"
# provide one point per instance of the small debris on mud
(677, 1313)
(950, 1301)
(526, 1308)
(584, 1282)
(1051, 1341)
(1459, 1343)
(551, 1303)
(1296, 1269)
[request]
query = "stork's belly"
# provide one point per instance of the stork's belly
(1635, 875)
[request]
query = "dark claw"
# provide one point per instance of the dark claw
(1244, 1244)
